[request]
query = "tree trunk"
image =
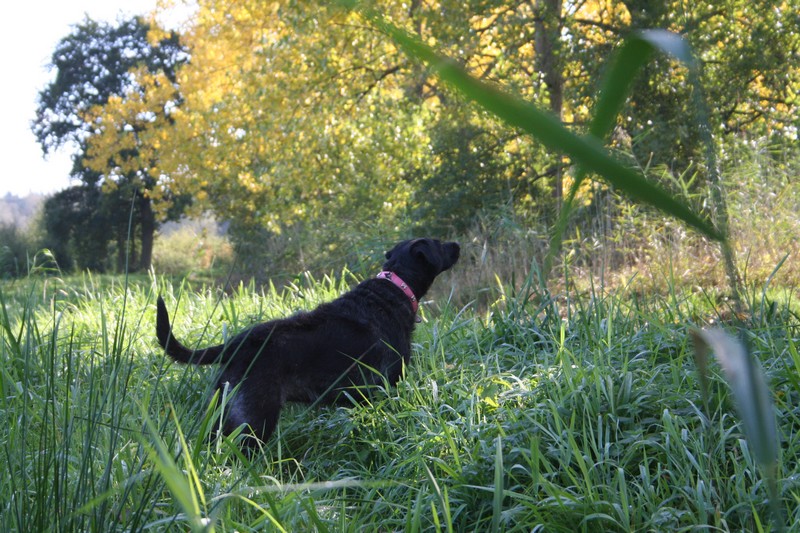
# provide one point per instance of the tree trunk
(547, 38)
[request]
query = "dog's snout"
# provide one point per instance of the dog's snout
(452, 252)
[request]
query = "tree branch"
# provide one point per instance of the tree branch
(377, 80)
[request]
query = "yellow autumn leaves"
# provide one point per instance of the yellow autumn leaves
(289, 111)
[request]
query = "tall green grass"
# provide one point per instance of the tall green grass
(590, 157)
(558, 413)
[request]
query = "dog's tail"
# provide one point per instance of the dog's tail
(178, 351)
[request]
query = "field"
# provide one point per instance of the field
(576, 411)
(559, 380)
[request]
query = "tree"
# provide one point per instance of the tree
(297, 118)
(749, 53)
(293, 115)
(75, 230)
(292, 119)
(98, 68)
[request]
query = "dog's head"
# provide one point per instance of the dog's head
(419, 261)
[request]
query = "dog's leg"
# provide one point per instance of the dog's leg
(258, 409)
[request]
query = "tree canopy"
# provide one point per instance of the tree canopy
(97, 68)
(293, 112)
(289, 117)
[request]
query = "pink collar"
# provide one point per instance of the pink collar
(394, 278)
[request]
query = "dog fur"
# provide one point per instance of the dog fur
(357, 341)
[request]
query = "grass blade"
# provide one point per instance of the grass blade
(183, 486)
(752, 397)
(625, 65)
(499, 472)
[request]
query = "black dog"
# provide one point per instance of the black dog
(355, 342)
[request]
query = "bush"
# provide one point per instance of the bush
(14, 247)
(191, 246)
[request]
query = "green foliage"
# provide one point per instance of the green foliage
(753, 402)
(76, 229)
(623, 69)
(573, 409)
(92, 65)
(192, 246)
(747, 75)
(469, 174)
(14, 246)
(386, 140)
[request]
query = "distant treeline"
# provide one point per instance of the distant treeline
(19, 211)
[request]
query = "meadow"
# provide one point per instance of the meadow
(571, 411)
(564, 400)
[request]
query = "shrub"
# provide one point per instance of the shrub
(191, 246)
(14, 247)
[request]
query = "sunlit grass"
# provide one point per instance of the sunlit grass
(570, 412)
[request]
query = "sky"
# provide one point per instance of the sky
(29, 36)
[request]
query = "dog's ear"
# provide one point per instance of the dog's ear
(388, 254)
(426, 250)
